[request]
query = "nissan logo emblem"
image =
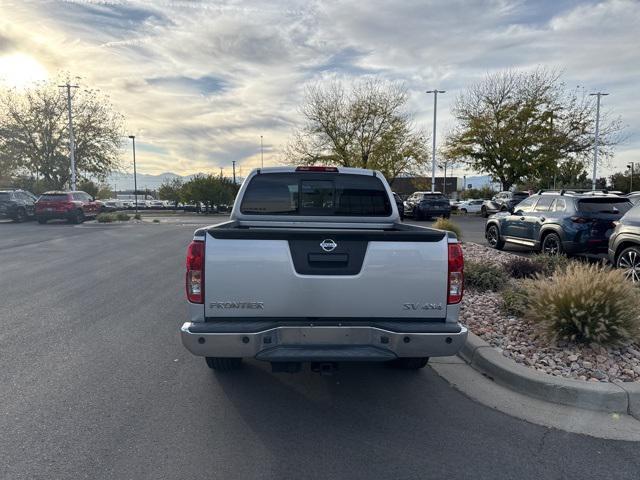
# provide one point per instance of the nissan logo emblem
(328, 245)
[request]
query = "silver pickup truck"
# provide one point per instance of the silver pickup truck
(315, 266)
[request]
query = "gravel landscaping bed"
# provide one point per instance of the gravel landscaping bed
(516, 338)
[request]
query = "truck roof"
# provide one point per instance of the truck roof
(291, 169)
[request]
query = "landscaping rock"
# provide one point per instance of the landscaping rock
(516, 337)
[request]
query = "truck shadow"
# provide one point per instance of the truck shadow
(387, 422)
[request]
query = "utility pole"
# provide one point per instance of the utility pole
(433, 153)
(261, 152)
(234, 171)
(220, 172)
(595, 147)
(135, 175)
(72, 140)
(630, 165)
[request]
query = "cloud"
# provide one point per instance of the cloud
(200, 81)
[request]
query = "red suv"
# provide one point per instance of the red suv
(72, 206)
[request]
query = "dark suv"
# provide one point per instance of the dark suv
(502, 202)
(72, 206)
(425, 205)
(624, 244)
(16, 204)
(559, 222)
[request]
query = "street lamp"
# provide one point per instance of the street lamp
(630, 165)
(261, 152)
(555, 174)
(433, 153)
(595, 147)
(135, 175)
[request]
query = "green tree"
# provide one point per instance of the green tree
(34, 137)
(171, 189)
(622, 181)
(209, 190)
(89, 187)
(518, 125)
(104, 193)
(364, 124)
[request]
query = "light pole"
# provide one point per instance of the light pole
(234, 171)
(261, 152)
(72, 140)
(135, 174)
(433, 153)
(595, 147)
(630, 165)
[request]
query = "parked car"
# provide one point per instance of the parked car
(425, 205)
(624, 244)
(399, 204)
(559, 222)
(472, 205)
(72, 206)
(357, 246)
(502, 202)
(155, 204)
(634, 197)
(17, 204)
(114, 204)
(454, 204)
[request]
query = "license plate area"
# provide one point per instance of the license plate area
(324, 336)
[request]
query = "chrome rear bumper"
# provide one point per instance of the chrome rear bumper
(322, 343)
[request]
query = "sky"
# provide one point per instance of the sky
(200, 81)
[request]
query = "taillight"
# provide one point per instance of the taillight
(195, 271)
(580, 220)
(455, 285)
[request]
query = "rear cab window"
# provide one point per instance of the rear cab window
(4, 196)
(316, 194)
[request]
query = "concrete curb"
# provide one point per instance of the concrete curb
(607, 397)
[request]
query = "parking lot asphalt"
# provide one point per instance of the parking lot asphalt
(95, 384)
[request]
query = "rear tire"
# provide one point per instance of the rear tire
(21, 215)
(463, 211)
(484, 212)
(42, 221)
(493, 237)
(551, 244)
(221, 364)
(410, 363)
(77, 217)
(629, 261)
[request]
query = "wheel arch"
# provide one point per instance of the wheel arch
(624, 244)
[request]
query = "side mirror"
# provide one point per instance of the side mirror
(518, 212)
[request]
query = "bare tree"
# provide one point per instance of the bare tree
(515, 125)
(363, 125)
(34, 134)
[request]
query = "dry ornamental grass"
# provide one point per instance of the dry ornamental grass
(585, 303)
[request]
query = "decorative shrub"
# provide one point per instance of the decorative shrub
(122, 217)
(515, 300)
(585, 303)
(520, 267)
(550, 264)
(445, 224)
(137, 216)
(156, 220)
(105, 218)
(483, 276)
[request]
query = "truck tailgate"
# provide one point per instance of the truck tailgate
(325, 274)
